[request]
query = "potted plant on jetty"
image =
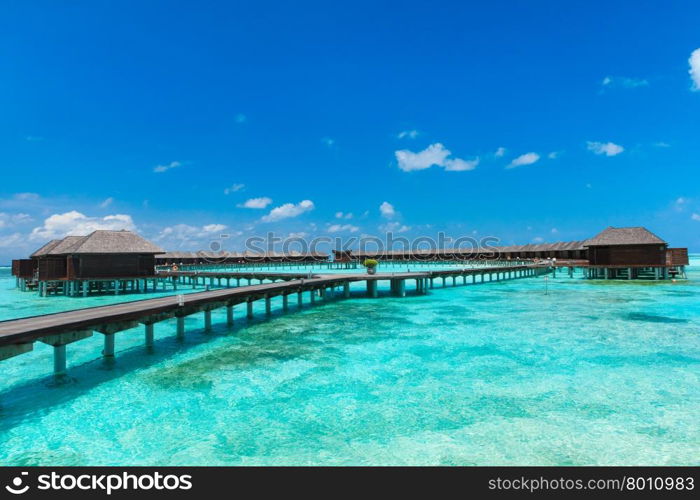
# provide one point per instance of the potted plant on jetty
(371, 265)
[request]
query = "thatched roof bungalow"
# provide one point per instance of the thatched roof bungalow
(100, 254)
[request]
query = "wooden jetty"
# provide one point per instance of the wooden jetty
(60, 329)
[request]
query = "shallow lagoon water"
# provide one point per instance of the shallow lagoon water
(499, 373)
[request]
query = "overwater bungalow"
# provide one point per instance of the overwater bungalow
(615, 253)
(97, 261)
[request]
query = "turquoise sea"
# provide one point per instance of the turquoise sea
(586, 373)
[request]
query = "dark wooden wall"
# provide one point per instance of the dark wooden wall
(23, 268)
(52, 267)
(633, 255)
(111, 266)
(677, 257)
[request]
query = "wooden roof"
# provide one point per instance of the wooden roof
(625, 236)
(99, 242)
(46, 248)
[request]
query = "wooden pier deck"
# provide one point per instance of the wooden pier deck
(60, 329)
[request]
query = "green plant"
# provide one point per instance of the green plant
(370, 263)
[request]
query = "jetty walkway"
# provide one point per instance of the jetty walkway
(60, 329)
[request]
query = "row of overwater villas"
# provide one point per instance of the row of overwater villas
(125, 255)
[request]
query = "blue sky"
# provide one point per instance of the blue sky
(530, 121)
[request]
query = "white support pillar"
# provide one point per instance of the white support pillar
(59, 359)
(108, 351)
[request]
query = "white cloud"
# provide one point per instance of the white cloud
(341, 215)
(13, 241)
(8, 220)
(185, 235)
(500, 152)
(107, 202)
(76, 224)
(694, 70)
(288, 210)
(159, 169)
(434, 155)
(553, 155)
(298, 235)
(26, 196)
(240, 118)
(538, 239)
(661, 144)
(387, 210)
(411, 134)
(213, 228)
(258, 203)
(554, 230)
(336, 228)
(234, 188)
(394, 227)
(623, 82)
(526, 159)
(328, 141)
(605, 148)
(695, 217)
(460, 165)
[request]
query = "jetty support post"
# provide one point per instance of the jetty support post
(229, 314)
(300, 299)
(346, 290)
(268, 305)
(109, 330)
(207, 320)
(372, 288)
(285, 302)
(59, 343)
(149, 335)
(180, 327)
(249, 309)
